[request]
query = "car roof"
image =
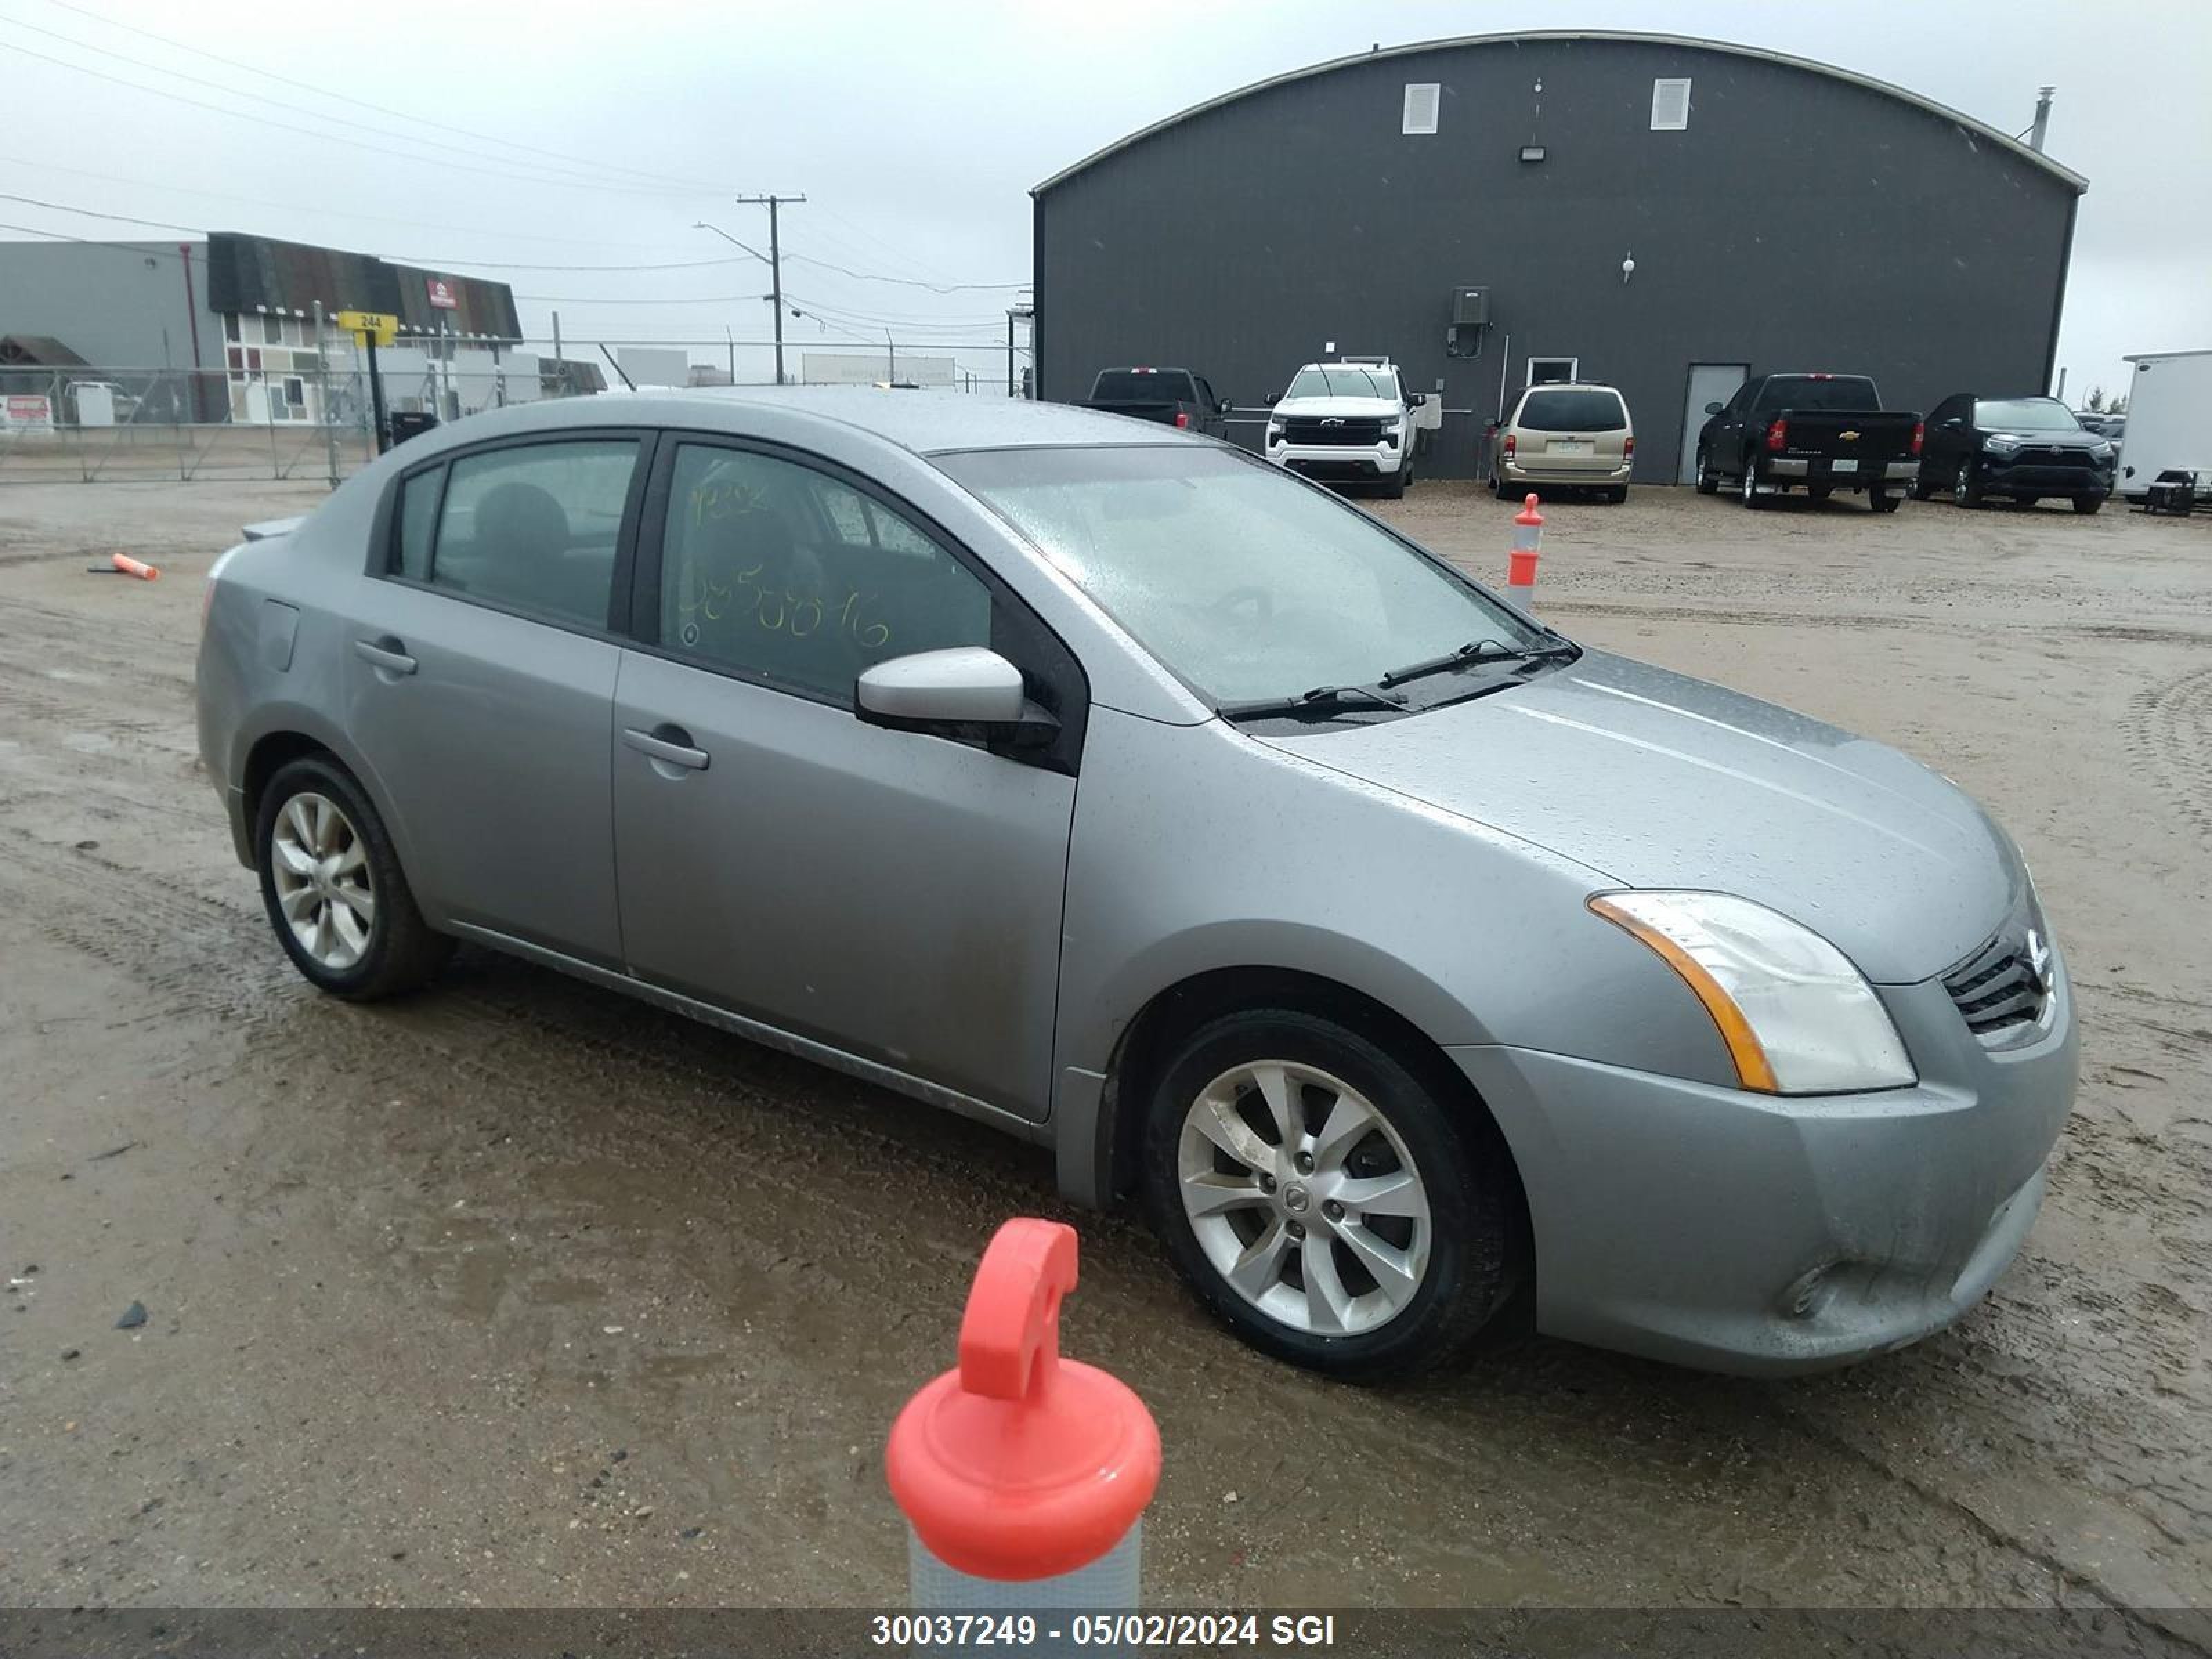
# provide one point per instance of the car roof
(925, 421)
(1573, 386)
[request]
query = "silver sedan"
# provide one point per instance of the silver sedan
(1421, 971)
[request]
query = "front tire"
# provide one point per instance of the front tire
(2087, 504)
(1393, 487)
(1966, 488)
(332, 887)
(1330, 1205)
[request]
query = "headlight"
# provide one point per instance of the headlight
(2001, 443)
(1391, 429)
(1275, 432)
(1797, 1018)
(2102, 449)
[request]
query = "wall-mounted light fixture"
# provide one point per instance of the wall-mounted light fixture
(1532, 152)
(1627, 269)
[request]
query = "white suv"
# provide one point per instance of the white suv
(1349, 420)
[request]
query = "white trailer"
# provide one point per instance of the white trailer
(2169, 419)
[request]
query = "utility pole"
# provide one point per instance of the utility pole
(2043, 96)
(1013, 313)
(892, 346)
(774, 262)
(323, 410)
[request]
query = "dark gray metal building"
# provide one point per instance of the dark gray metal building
(1779, 215)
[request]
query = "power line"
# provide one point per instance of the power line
(95, 213)
(362, 103)
(323, 208)
(310, 132)
(904, 281)
(563, 176)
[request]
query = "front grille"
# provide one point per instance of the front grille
(2078, 457)
(1332, 429)
(2001, 990)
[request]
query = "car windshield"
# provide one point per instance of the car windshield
(1343, 381)
(1573, 412)
(1249, 585)
(1831, 391)
(1144, 385)
(2024, 415)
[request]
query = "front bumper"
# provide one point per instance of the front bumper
(1765, 1235)
(1338, 460)
(2033, 478)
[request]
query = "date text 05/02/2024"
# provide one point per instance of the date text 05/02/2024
(1013, 1631)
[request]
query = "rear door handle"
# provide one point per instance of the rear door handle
(668, 744)
(386, 653)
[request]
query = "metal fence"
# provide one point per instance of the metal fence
(307, 413)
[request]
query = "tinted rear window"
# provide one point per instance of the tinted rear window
(1573, 412)
(1126, 385)
(1838, 392)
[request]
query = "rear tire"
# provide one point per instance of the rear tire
(1618, 495)
(2087, 504)
(333, 889)
(1883, 500)
(1443, 1242)
(1920, 490)
(1749, 486)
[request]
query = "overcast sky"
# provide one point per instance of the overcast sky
(590, 134)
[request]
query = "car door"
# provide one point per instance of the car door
(480, 676)
(892, 895)
(1726, 447)
(1947, 439)
(1211, 420)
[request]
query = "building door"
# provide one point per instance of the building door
(1710, 383)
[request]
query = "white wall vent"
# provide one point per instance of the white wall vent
(1422, 98)
(1670, 105)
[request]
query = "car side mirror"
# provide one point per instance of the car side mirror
(1223, 407)
(1713, 409)
(1952, 424)
(951, 692)
(1271, 398)
(1415, 399)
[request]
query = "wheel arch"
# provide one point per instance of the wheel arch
(1172, 1013)
(289, 734)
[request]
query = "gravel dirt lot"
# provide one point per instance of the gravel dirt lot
(521, 1293)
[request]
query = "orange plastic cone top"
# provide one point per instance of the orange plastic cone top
(1019, 1464)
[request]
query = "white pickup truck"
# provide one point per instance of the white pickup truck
(1350, 421)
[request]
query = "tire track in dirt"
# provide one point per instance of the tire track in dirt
(2170, 732)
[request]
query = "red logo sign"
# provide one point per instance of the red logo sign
(442, 295)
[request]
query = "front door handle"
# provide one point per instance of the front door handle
(386, 653)
(669, 745)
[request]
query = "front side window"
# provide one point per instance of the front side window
(1344, 380)
(774, 569)
(2024, 415)
(1573, 411)
(1248, 584)
(533, 527)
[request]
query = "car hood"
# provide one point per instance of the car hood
(1652, 779)
(2049, 440)
(1365, 407)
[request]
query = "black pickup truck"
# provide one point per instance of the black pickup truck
(1173, 397)
(1818, 433)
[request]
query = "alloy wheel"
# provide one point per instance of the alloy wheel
(320, 869)
(1303, 1198)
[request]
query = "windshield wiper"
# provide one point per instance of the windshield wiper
(1322, 699)
(1474, 652)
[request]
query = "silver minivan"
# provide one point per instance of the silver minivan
(1410, 964)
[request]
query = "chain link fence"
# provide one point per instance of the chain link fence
(304, 410)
